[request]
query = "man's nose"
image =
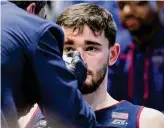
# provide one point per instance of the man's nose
(82, 55)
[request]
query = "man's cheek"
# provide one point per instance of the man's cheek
(144, 13)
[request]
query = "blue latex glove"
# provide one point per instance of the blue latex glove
(76, 65)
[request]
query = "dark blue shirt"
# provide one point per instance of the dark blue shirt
(121, 115)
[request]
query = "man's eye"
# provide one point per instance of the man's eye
(91, 49)
(68, 49)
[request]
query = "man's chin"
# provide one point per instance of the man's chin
(131, 29)
(88, 88)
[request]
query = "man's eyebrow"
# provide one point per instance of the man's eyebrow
(68, 42)
(88, 42)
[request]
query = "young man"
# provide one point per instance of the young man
(91, 31)
(139, 75)
(33, 70)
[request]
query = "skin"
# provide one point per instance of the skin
(151, 118)
(95, 52)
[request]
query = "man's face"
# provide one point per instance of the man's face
(135, 14)
(94, 50)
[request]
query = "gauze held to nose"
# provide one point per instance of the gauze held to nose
(76, 65)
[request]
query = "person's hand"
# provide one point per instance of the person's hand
(76, 65)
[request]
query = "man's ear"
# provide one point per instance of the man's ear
(31, 8)
(114, 52)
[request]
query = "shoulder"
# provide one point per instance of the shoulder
(151, 118)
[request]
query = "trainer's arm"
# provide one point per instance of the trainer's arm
(60, 98)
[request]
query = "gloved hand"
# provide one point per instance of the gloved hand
(76, 65)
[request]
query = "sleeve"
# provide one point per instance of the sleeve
(60, 99)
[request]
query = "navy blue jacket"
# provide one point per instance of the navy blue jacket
(33, 71)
